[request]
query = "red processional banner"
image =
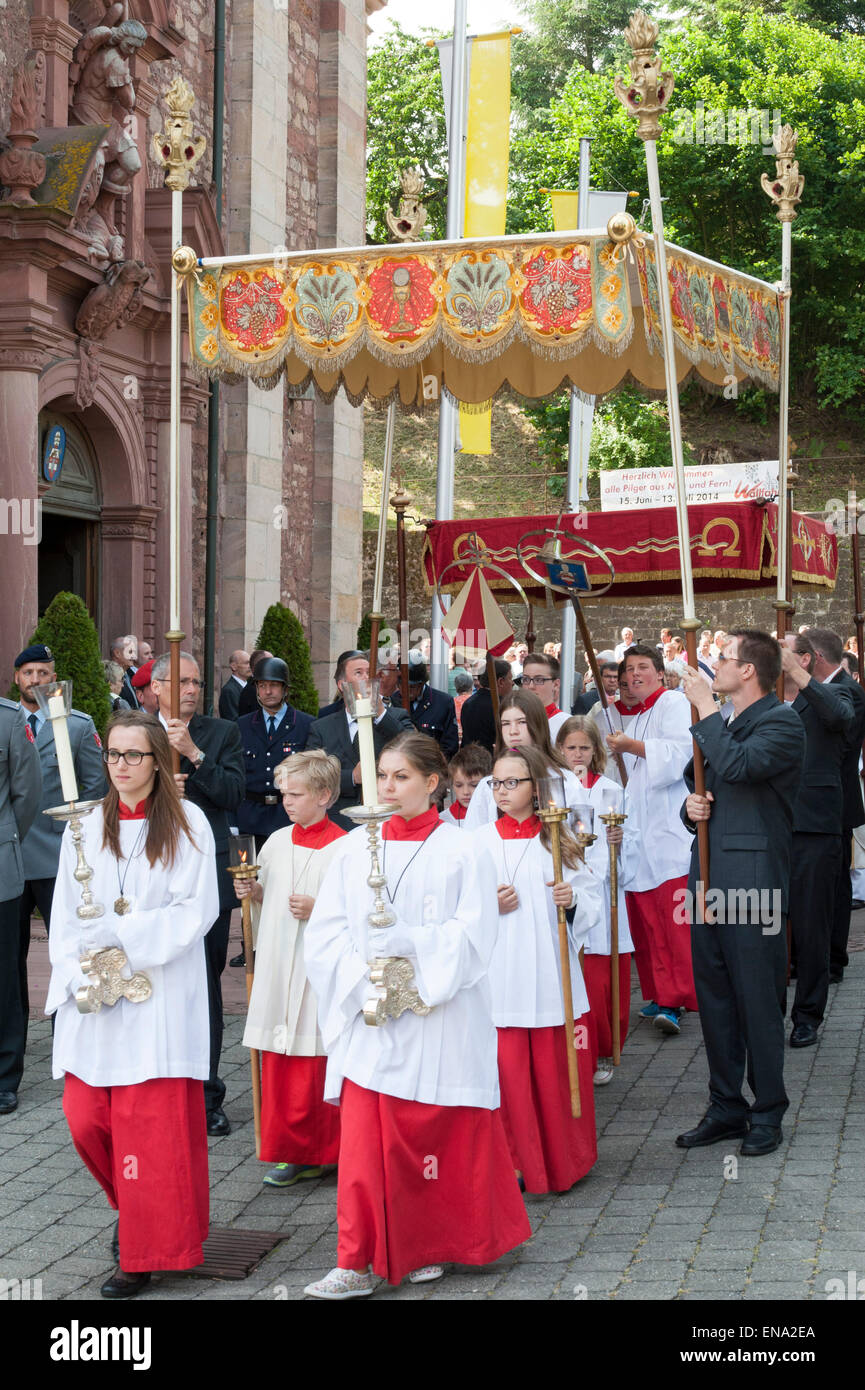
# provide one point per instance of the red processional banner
(733, 546)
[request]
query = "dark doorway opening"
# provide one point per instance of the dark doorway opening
(68, 560)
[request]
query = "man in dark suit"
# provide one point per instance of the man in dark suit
(337, 734)
(829, 668)
(827, 712)
(20, 794)
(337, 706)
(476, 717)
(211, 774)
(431, 711)
(229, 695)
(273, 733)
(753, 768)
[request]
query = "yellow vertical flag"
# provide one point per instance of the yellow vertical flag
(565, 205)
(488, 140)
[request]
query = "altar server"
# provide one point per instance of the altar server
(133, 1093)
(425, 1173)
(466, 769)
(652, 734)
(299, 1132)
(523, 723)
(550, 1149)
(579, 742)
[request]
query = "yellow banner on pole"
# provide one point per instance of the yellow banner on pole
(488, 143)
(565, 205)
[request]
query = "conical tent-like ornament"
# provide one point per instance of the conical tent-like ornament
(475, 623)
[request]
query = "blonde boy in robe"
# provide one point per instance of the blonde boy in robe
(299, 1132)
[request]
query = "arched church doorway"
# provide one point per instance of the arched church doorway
(71, 505)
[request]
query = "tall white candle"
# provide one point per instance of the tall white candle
(57, 715)
(367, 751)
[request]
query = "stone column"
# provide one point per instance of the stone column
(252, 493)
(338, 487)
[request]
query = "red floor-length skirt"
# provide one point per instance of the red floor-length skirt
(597, 976)
(423, 1184)
(297, 1126)
(146, 1146)
(550, 1148)
(662, 944)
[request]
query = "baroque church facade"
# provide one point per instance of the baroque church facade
(85, 241)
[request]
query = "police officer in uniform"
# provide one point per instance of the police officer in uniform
(271, 734)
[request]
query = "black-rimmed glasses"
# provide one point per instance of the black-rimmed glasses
(132, 757)
(510, 784)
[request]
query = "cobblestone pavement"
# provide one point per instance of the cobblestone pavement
(649, 1222)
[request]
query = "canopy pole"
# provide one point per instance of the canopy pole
(178, 151)
(376, 616)
(645, 96)
(785, 190)
(454, 225)
(576, 426)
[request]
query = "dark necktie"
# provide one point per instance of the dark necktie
(34, 724)
(271, 725)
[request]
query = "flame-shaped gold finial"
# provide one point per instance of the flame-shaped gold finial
(649, 90)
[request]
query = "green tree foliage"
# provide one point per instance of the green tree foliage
(405, 127)
(747, 64)
(67, 629)
(282, 634)
(629, 431)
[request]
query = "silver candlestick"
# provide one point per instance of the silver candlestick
(73, 812)
(390, 976)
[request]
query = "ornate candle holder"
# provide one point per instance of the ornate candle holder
(553, 811)
(107, 983)
(583, 824)
(612, 815)
(390, 976)
(241, 854)
(73, 812)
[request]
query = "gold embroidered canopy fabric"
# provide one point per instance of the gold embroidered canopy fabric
(533, 313)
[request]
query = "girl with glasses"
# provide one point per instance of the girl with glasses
(551, 1151)
(425, 1174)
(133, 1095)
(523, 723)
(580, 744)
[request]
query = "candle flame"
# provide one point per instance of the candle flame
(243, 856)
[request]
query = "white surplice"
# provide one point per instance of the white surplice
(172, 910)
(484, 811)
(656, 789)
(282, 1009)
(439, 888)
(525, 972)
(598, 858)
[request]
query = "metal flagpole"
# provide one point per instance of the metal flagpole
(178, 151)
(454, 225)
(785, 190)
(567, 656)
(645, 96)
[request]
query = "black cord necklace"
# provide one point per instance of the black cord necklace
(122, 904)
(392, 895)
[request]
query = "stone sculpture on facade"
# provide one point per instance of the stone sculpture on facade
(22, 168)
(102, 92)
(108, 306)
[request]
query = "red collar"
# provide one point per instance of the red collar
(510, 829)
(591, 778)
(643, 706)
(550, 710)
(316, 836)
(140, 812)
(458, 811)
(418, 828)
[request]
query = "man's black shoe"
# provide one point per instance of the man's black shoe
(8, 1102)
(710, 1131)
(217, 1123)
(803, 1035)
(123, 1285)
(856, 904)
(761, 1139)
(238, 960)
(836, 976)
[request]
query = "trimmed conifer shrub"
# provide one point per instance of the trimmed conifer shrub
(68, 630)
(282, 633)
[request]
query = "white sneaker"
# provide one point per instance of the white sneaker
(426, 1274)
(341, 1283)
(604, 1072)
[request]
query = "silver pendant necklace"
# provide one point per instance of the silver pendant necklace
(122, 905)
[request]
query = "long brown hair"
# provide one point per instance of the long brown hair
(530, 704)
(537, 766)
(425, 756)
(584, 724)
(165, 814)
